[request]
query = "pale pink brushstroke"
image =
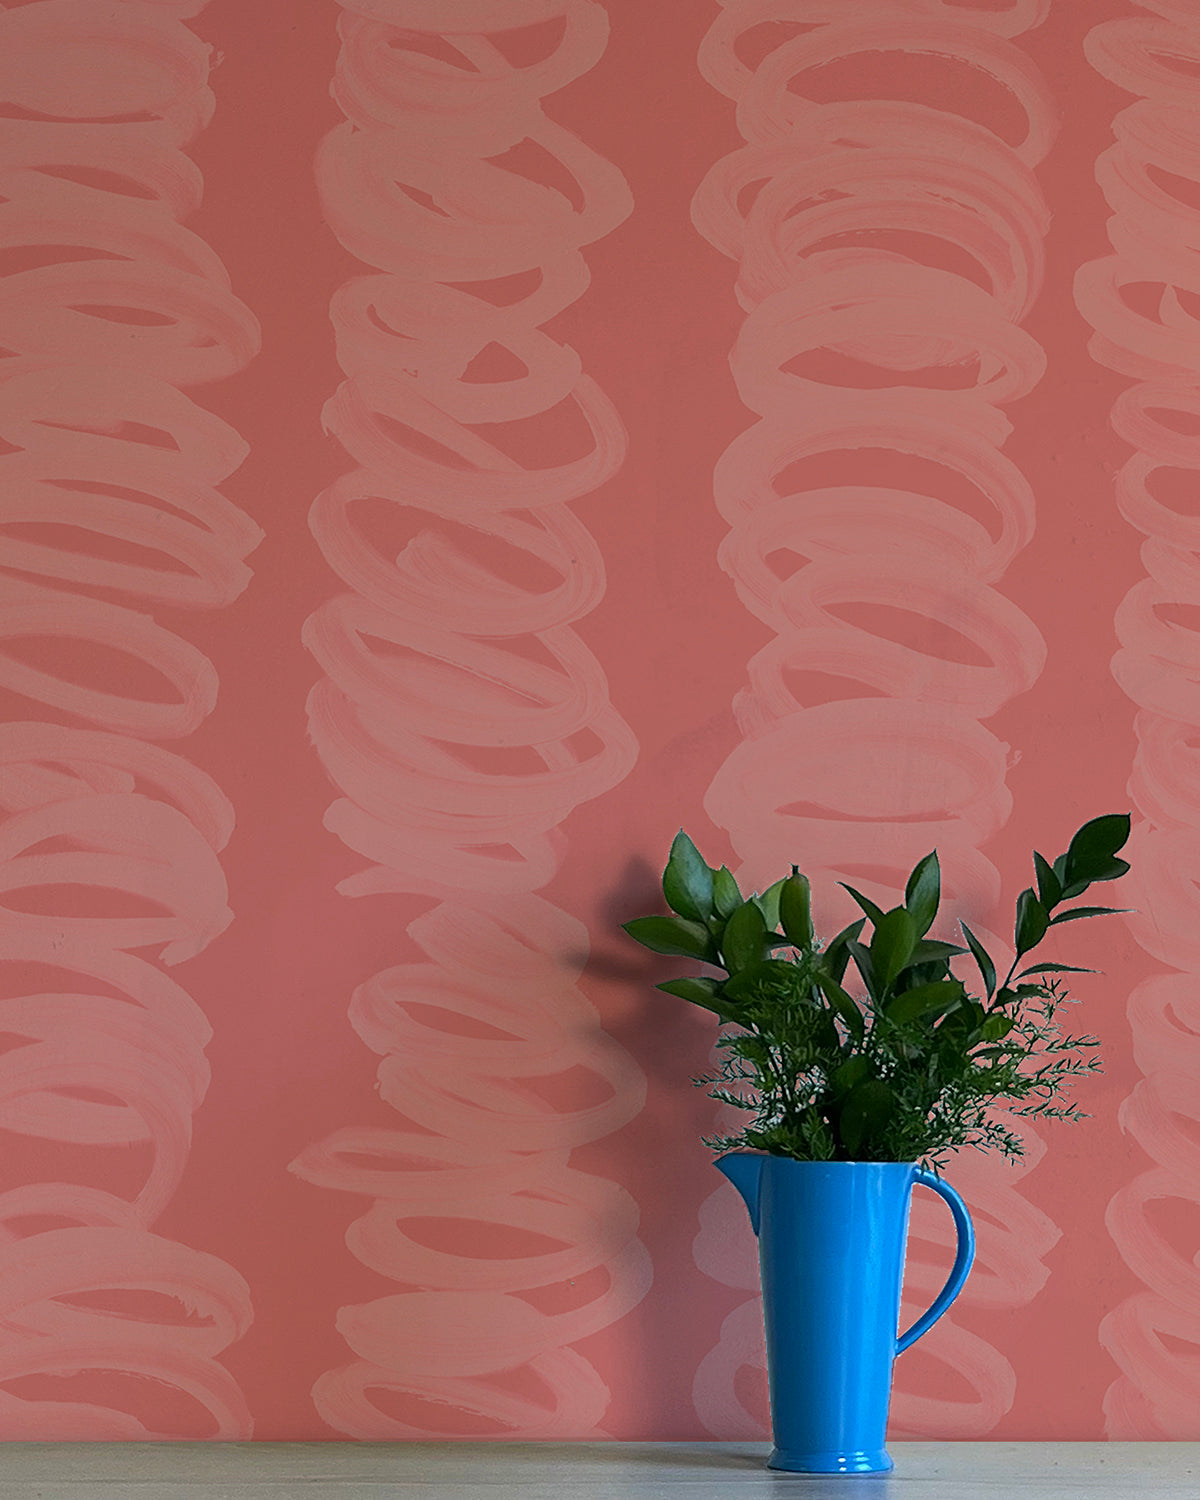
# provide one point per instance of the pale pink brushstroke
(1154, 1335)
(102, 99)
(861, 787)
(423, 692)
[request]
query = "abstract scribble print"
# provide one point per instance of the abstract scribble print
(1141, 304)
(887, 228)
(109, 844)
(462, 718)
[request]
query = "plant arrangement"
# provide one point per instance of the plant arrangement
(911, 1067)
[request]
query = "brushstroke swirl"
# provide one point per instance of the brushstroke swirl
(461, 719)
(1140, 302)
(888, 230)
(109, 843)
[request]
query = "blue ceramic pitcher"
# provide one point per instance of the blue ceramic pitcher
(831, 1239)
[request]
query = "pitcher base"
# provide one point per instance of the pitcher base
(857, 1461)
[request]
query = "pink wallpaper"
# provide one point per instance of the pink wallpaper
(447, 445)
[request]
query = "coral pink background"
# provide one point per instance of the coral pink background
(445, 447)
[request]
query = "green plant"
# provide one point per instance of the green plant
(910, 1068)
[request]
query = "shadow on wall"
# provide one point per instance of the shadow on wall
(671, 1042)
(660, 1030)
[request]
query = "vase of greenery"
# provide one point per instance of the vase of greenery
(858, 1088)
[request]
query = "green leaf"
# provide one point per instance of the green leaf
(770, 971)
(844, 1005)
(705, 992)
(1070, 888)
(837, 954)
(1092, 849)
(672, 935)
(745, 937)
(726, 896)
(849, 1074)
(929, 950)
(1086, 911)
(1032, 921)
(866, 968)
(1048, 884)
(987, 968)
(975, 1015)
(768, 904)
(915, 974)
(961, 1025)
(1055, 969)
(874, 912)
(1006, 996)
(923, 892)
(892, 944)
(924, 1000)
(996, 1028)
(867, 1110)
(795, 910)
(687, 881)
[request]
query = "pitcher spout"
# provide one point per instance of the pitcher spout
(744, 1170)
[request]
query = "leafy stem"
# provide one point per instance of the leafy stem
(909, 1068)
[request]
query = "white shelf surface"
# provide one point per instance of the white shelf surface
(584, 1471)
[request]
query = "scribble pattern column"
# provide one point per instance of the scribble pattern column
(1141, 302)
(110, 521)
(887, 229)
(462, 718)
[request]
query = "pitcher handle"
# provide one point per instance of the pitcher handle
(962, 1260)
